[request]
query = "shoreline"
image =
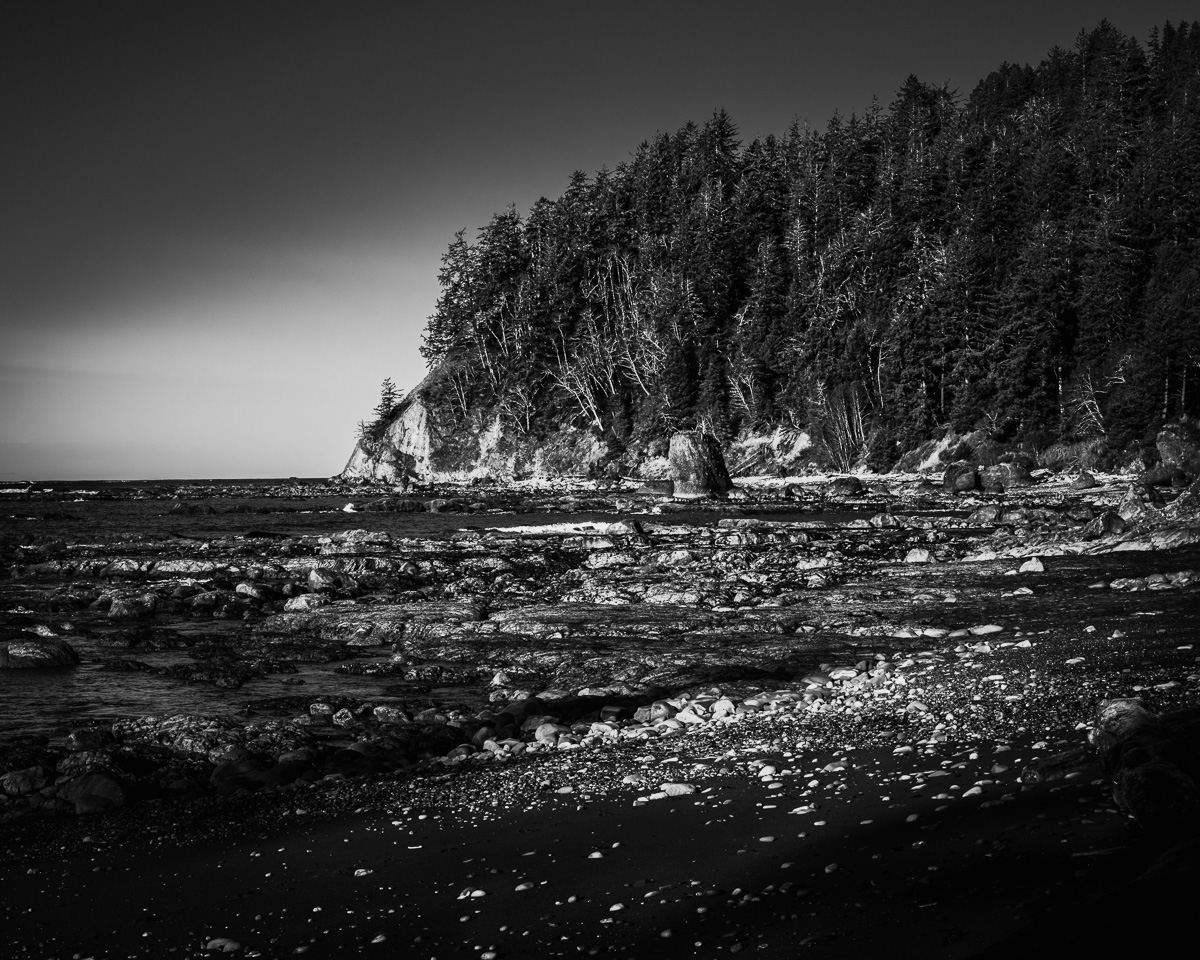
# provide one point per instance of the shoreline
(887, 777)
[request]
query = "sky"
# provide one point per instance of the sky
(221, 222)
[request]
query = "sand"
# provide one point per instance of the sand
(860, 865)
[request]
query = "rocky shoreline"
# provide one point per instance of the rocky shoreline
(499, 638)
(587, 643)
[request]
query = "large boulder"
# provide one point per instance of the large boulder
(93, 793)
(846, 487)
(40, 652)
(960, 478)
(1179, 446)
(697, 466)
(1003, 477)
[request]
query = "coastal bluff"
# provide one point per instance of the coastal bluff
(427, 438)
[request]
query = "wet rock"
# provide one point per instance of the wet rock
(987, 514)
(89, 738)
(355, 542)
(1109, 523)
(257, 591)
(398, 623)
(133, 608)
(549, 733)
(1085, 481)
(1004, 477)
(304, 602)
(32, 654)
(21, 783)
(960, 478)
(698, 466)
(846, 487)
(89, 761)
(243, 774)
(391, 714)
(186, 734)
(93, 793)
(324, 578)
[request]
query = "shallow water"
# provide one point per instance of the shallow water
(53, 701)
(49, 701)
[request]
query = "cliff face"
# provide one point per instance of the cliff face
(405, 449)
(425, 441)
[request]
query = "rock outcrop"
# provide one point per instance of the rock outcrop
(960, 478)
(40, 652)
(697, 466)
(426, 441)
(1179, 446)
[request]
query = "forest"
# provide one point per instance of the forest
(1024, 261)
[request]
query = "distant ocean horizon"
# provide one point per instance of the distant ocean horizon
(16, 484)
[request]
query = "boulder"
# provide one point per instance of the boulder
(92, 793)
(960, 478)
(1107, 524)
(21, 783)
(1179, 446)
(305, 602)
(133, 608)
(987, 514)
(1085, 481)
(697, 466)
(322, 578)
(1005, 476)
(846, 487)
(42, 652)
(1164, 475)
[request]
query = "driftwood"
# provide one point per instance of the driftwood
(1152, 759)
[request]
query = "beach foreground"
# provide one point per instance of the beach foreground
(508, 863)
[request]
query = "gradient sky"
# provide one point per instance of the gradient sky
(222, 222)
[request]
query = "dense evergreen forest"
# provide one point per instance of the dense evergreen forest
(1024, 261)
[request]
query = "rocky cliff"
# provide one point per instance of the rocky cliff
(425, 440)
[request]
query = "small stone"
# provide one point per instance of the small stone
(677, 789)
